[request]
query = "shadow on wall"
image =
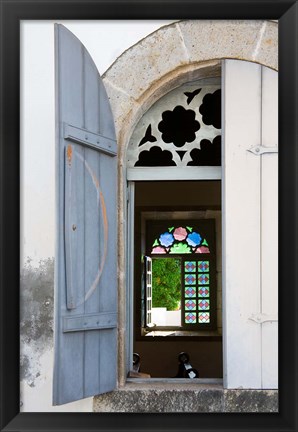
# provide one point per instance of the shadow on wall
(36, 316)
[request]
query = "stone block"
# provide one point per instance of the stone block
(146, 62)
(268, 51)
(239, 39)
(121, 104)
(251, 401)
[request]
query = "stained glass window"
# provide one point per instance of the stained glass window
(196, 292)
(203, 279)
(204, 317)
(203, 291)
(203, 266)
(186, 239)
(190, 305)
(190, 279)
(180, 240)
(189, 266)
(204, 304)
(190, 291)
(190, 318)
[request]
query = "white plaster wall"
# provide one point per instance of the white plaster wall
(105, 40)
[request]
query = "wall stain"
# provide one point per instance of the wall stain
(36, 316)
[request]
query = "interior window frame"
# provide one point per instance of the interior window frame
(207, 228)
(141, 214)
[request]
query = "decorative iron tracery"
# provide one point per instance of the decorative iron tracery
(181, 129)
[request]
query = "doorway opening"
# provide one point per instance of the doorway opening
(177, 276)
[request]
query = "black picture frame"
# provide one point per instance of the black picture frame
(11, 13)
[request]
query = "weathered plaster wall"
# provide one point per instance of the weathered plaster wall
(36, 339)
(36, 313)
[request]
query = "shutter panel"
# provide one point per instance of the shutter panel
(269, 221)
(86, 263)
(249, 224)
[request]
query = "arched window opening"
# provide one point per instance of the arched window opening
(174, 173)
(180, 265)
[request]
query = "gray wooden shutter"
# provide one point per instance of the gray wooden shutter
(250, 227)
(86, 255)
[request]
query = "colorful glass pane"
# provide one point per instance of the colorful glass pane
(155, 243)
(202, 249)
(180, 233)
(190, 279)
(204, 242)
(204, 304)
(204, 317)
(166, 239)
(170, 229)
(190, 292)
(190, 305)
(203, 291)
(180, 248)
(189, 266)
(203, 266)
(158, 250)
(194, 239)
(189, 228)
(190, 318)
(203, 279)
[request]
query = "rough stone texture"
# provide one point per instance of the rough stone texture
(268, 51)
(210, 39)
(121, 102)
(153, 57)
(251, 401)
(158, 398)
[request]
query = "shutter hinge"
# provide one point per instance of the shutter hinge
(90, 139)
(104, 320)
(260, 318)
(259, 150)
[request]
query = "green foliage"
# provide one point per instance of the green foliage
(166, 283)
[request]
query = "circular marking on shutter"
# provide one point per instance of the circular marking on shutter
(102, 205)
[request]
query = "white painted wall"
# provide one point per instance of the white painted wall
(105, 40)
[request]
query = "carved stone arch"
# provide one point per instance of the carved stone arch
(180, 52)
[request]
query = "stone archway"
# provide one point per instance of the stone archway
(183, 51)
(153, 66)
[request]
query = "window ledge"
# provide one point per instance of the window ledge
(191, 396)
(181, 333)
(170, 382)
